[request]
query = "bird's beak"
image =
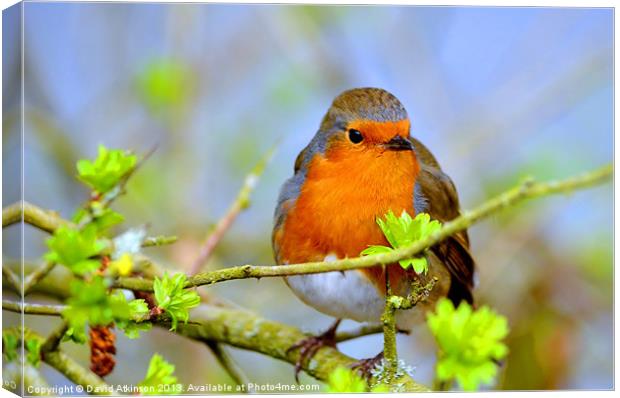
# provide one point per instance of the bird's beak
(398, 143)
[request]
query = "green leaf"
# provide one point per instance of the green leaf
(74, 248)
(33, 351)
(469, 342)
(9, 345)
(160, 373)
(402, 232)
(91, 304)
(132, 329)
(105, 172)
(76, 335)
(419, 264)
(138, 311)
(346, 380)
(171, 297)
(138, 308)
(107, 219)
(376, 249)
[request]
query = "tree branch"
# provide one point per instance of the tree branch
(12, 279)
(388, 319)
(32, 309)
(159, 241)
(76, 373)
(49, 220)
(241, 329)
(57, 359)
(228, 363)
(45, 220)
(53, 340)
(527, 190)
(245, 330)
(34, 277)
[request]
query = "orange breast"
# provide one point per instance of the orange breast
(339, 202)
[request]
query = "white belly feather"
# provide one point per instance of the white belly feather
(350, 295)
(339, 294)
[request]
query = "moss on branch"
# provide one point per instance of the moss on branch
(246, 330)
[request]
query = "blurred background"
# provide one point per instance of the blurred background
(496, 93)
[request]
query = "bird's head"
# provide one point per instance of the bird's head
(361, 125)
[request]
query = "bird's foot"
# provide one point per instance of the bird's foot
(365, 366)
(309, 346)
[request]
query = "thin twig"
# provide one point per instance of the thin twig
(76, 373)
(56, 310)
(12, 279)
(53, 340)
(32, 309)
(229, 364)
(45, 220)
(49, 221)
(158, 240)
(38, 274)
(388, 319)
(242, 202)
(526, 190)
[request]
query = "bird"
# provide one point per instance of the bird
(362, 163)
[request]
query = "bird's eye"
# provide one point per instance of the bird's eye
(355, 136)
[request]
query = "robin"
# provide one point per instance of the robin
(361, 164)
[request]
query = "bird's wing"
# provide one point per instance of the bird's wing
(439, 199)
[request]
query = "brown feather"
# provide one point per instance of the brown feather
(443, 205)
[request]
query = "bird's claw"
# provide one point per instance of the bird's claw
(309, 346)
(365, 366)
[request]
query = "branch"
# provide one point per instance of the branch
(53, 340)
(241, 329)
(242, 202)
(57, 310)
(159, 240)
(418, 294)
(34, 277)
(526, 190)
(45, 220)
(227, 362)
(49, 220)
(388, 319)
(69, 367)
(32, 309)
(12, 279)
(76, 373)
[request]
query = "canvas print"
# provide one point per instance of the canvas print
(204, 199)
